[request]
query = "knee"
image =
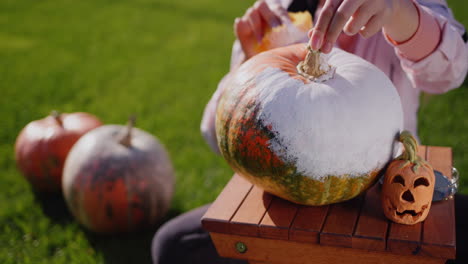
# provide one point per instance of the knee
(170, 241)
(163, 244)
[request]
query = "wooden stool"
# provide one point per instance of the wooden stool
(246, 223)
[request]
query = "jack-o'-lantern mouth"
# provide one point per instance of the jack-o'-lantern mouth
(409, 213)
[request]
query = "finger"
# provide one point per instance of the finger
(322, 24)
(359, 19)
(327, 47)
(271, 19)
(280, 12)
(245, 35)
(374, 25)
(341, 16)
(253, 17)
(242, 28)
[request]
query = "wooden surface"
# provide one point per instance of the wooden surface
(245, 211)
(262, 250)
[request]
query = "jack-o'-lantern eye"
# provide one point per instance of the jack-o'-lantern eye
(399, 179)
(421, 181)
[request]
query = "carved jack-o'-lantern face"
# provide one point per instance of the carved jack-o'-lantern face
(407, 192)
(408, 185)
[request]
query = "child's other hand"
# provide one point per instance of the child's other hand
(365, 17)
(259, 18)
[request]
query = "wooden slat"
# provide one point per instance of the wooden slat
(371, 229)
(439, 235)
(308, 224)
(406, 239)
(217, 218)
(247, 218)
(340, 223)
(283, 251)
(441, 159)
(277, 220)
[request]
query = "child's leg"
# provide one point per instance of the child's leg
(183, 240)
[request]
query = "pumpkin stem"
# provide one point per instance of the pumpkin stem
(411, 146)
(314, 68)
(126, 140)
(57, 116)
(411, 151)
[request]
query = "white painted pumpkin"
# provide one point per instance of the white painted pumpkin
(308, 142)
(118, 179)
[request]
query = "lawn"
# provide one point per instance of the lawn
(160, 60)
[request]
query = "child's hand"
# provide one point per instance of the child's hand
(259, 18)
(366, 17)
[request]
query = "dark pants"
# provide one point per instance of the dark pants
(182, 240)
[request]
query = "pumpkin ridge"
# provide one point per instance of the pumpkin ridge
(224, 146)
(253, 149)
(326, 192)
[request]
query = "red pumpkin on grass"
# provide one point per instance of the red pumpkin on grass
(118, 179)
(43, 145)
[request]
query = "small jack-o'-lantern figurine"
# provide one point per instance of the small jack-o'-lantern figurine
(408, 185)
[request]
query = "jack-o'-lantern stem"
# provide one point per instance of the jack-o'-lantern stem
(410, 155)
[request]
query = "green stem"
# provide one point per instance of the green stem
(411, 150)
(411, 146)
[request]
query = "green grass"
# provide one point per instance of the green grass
(160, 60)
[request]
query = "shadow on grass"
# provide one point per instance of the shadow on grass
(126, 248)
(119, 249)
(54, 207)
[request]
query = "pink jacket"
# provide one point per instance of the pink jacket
(434, 60)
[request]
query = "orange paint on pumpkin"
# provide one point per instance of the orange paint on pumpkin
(284, 59)
(254, 144)
(138, 215)
(107, 215)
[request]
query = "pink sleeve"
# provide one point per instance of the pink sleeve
(423, 42)
(207, 126)
(435, 58)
